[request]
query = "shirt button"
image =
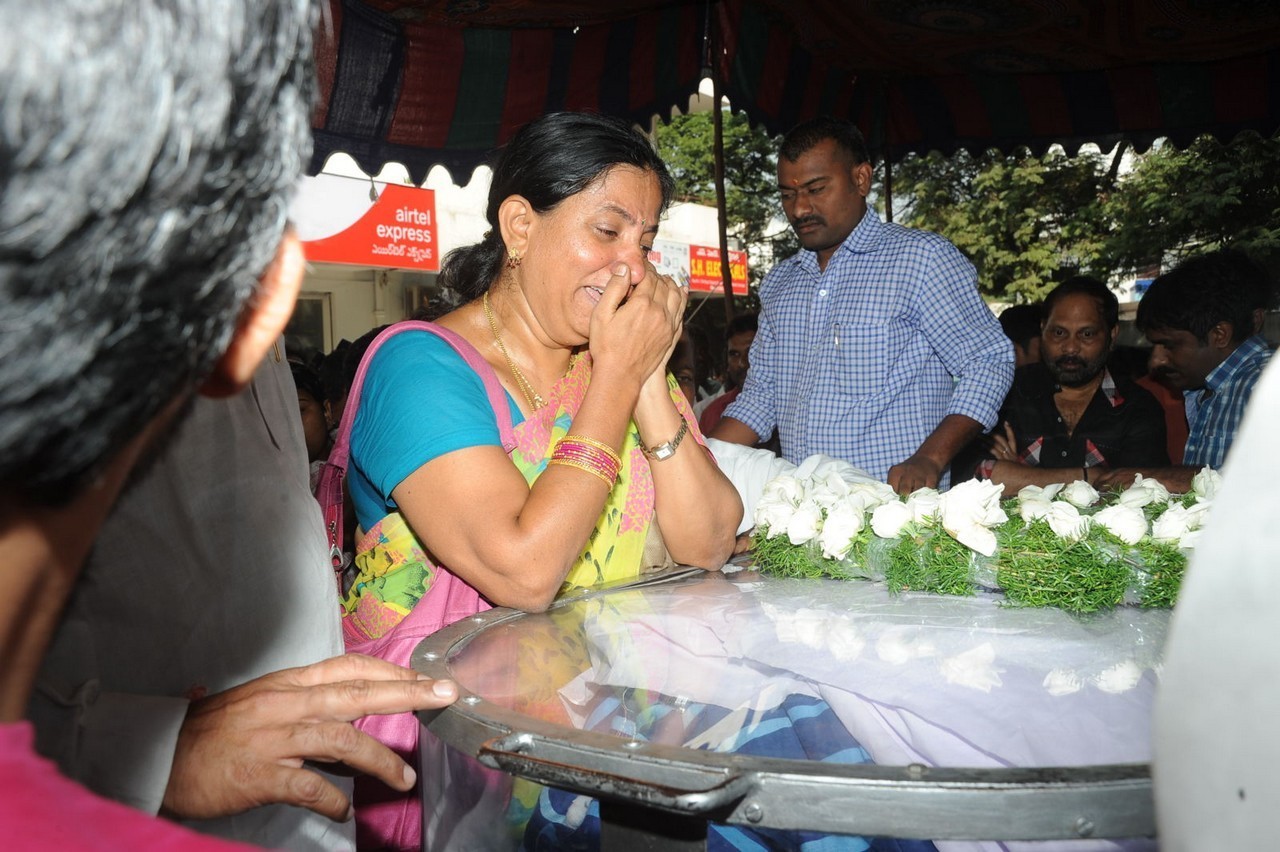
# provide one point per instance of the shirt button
(1064, 453)
(822, 292)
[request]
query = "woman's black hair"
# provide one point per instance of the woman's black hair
(548, 160)
(307, 379)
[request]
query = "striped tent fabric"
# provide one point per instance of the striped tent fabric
(447, 82)
(423, 93)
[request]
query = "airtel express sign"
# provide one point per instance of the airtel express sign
(398, 230)
(702, 265)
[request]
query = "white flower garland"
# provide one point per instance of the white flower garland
(836, 525)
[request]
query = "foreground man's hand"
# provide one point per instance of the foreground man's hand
(245, 747)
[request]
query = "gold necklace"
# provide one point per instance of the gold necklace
(530, 395)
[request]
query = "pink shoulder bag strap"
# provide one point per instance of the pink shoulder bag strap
(329, 492)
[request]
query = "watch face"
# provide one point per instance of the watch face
(668, 449)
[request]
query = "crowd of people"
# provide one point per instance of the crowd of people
(186, 637)
(1079, 413)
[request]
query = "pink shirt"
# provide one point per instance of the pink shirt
(42, 810)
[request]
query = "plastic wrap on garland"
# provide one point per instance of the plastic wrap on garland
(1033, 565)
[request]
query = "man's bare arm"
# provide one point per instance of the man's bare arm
(1176, 478)
(735, 432)
(1015, 476)
(925, 466)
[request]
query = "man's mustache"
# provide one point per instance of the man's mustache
(807, 220)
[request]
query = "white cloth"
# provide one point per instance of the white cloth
(749, 469)
(701, 405)
(211, 571)
(1216, 741)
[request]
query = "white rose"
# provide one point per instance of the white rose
(923, 503)
(774, 514)
(785, 488)
(1135, 497)
(1144, 492)
(869, 495)
(1080, 494)
(976, 537)
(1031, 509)
(804, 524)
(1066, 521)
(827, 491)
(973, 500)
(968, 510)
(1127, 523)
(1198, 512)
(1035, 492)
(1173, 524)
(888, 519)
(1159, 494)
(1189, 539)
(843, 522)
(1206, 483)
(1121, 677)
(1062, 682)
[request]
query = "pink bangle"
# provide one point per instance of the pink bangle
(589, 455)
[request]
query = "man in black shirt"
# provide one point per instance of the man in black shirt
(1068, 417)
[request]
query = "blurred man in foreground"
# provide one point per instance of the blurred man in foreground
(170, 135)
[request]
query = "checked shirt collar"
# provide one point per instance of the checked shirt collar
(1232, 365)
(863, 239)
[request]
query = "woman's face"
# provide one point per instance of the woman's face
(573, 249)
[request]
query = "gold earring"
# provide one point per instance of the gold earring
(513, 258)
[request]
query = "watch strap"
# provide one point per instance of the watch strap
(667, 449)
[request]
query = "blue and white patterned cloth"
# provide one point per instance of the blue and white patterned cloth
(863, 360)
(799, 728)
(1214, 412)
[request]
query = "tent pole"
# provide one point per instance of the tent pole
(726, 274)
(888, 189)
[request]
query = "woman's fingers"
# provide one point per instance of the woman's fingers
(616, 290)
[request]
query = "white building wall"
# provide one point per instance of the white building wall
(357, 299)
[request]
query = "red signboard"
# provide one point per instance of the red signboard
(398, 231)
(704, 270)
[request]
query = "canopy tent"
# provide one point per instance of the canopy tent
(425, 82)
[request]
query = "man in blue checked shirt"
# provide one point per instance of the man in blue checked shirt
(873, 346)
(1202, 320)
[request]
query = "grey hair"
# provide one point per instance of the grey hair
(147, 154)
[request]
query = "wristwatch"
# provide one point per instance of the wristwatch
(666, 450)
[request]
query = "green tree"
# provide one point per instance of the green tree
(1174, 203)
(1026, 222)
(750, 177)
